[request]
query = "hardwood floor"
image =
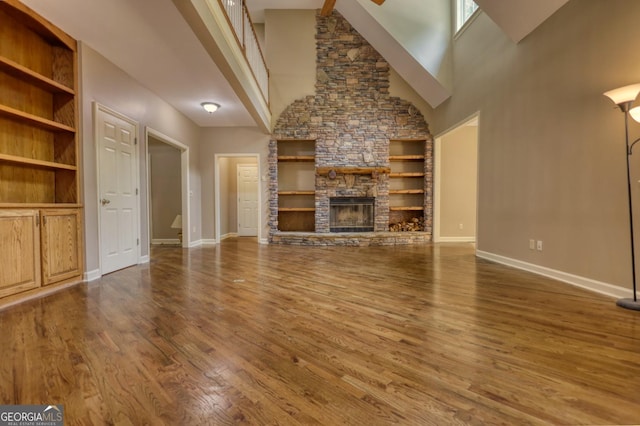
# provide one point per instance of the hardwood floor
(243, 333)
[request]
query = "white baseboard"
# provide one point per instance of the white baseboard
(229, 235)
(91, 275)
(144, 259)
(578, 281)
(160, 241)
(196, 243)
(264, 241)
(208, 242)
(456, 240)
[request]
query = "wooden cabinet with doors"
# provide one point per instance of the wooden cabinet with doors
(60, 245)
(20, 250)
(39, 159)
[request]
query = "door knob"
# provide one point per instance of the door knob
(104, 201)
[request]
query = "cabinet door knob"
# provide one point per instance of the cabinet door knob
(104, 201)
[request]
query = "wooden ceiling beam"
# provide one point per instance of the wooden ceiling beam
(327, 7)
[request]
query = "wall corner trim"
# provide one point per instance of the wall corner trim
(575, 280)
(91, 275)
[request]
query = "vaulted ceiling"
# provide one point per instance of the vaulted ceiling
(151, 41)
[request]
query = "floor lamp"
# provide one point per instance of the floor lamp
(624, 98)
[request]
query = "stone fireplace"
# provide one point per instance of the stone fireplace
(351, 120)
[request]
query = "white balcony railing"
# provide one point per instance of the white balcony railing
(240, 21)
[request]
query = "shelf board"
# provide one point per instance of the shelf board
(352, 170)
(297, 192)
(34, 120)
(407, 140)
(406, 191)
(24, 73)
(36, 163)
(406, 158)
(406, 174)
(408, 208)
(296, 209)
(300, 158)
(40, 205)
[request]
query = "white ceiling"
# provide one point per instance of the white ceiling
(150, 40)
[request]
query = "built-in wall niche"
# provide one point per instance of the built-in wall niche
(407, 181)
(296, 185)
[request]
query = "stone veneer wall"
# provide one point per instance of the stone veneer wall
(352, 117)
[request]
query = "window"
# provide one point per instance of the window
(464, 10)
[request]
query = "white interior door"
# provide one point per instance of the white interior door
(247, 200)
(118, 193)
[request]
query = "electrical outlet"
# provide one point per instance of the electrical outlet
(460, 226)
(532, 244)
(539, 245)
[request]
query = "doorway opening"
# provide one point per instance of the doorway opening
(167, 190)
(456, 183)
(237, 196)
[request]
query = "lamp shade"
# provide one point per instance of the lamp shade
(177, 222)
(635, 113)
(624, 94)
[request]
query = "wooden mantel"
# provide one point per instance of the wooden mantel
(352, 170)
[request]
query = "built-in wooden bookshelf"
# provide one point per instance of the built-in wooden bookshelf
(40, 209)
(296, 185)
(406, 186)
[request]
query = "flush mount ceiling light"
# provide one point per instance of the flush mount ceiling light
(210, 107)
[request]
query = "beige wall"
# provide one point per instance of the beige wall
(101, 81)
(165, 186)
(400, 88)
(457, 184)
(228, 142)
(551, 147)
(291, 56)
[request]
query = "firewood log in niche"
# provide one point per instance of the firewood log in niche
(415, 224)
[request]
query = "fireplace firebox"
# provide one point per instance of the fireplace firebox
(351, 214)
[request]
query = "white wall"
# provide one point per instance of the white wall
(103, 82)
